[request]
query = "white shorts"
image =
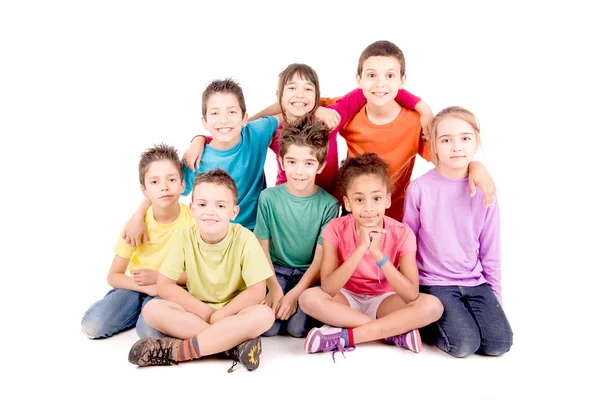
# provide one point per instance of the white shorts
(365, 303)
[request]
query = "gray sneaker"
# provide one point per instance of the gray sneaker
(161, 351)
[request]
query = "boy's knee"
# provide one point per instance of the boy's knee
(94, 327)
(151, 311)
(146, 331)
(264, 317)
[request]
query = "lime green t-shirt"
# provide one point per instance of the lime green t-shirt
(293, 224)
(216, 273)
(151, 255)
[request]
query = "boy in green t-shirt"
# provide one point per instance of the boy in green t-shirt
(226, 272)
(289, 222)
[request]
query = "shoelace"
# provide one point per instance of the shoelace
(333, 344)
(235, 357)
(159, 356)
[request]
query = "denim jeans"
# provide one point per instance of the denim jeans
(118, 311)
(473, 322)
(299, 324)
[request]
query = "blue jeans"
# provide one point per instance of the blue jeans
(473, 322)
(299, 324)
(118, 311)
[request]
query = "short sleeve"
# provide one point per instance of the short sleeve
(331, 213)
(330, 234)
(255, 267)
(261, 230)
(174, 264)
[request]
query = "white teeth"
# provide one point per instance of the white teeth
(224, 130)
(299, 104)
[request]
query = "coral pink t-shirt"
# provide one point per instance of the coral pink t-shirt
(397, 241)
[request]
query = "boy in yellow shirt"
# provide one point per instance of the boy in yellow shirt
(226, 280)
(161, 180)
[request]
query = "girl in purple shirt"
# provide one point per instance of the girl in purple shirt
(458, 243)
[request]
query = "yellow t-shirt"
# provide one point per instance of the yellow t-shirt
(216, 273)
(151, 255)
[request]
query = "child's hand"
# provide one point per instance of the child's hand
(426, 124)
(287, 306)
(145, 276)
(135, 230)
(273, 298)
(479, 176)
(151, 290)
(375, 247)
(328, 116)
(193, 154)
(366, 236)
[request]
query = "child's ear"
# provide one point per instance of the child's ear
(182, 186)
(322, 167)
(347, 204)
(235, 212)
(403, 81)
(245, 120)
(358, 80)
(388, 201)
(204, 123)
(143, 189)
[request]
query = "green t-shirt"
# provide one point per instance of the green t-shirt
(216, 273)
(293, 224)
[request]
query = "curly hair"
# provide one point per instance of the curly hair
(364, 164)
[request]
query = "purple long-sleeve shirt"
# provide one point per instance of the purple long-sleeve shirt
(458, 238)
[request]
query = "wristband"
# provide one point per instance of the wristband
(380, 264)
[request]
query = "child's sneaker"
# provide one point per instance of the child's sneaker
(147, 352)
(247, 354)
(326, 338)
(409, 340)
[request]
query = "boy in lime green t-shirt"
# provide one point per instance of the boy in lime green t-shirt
(226, 273)
(161, 180)
(289, 222)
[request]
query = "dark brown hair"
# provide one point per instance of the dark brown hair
(364, 164)
(303, 71)
(224, 86)
(218, 177)
(307, 132)
(382, 48)
(158, 152)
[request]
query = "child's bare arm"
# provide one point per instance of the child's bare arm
(169, 290)
(479, 176)
(275, 293)
(332, 277)
(251, 296)
(272, 109)
(135, 230)
(118, 280)
(289, 303)
(426, 117)
(193, 154)
(405, 281)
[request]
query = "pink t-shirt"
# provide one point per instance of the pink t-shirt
(397, 241)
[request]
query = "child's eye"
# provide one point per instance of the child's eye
(390, 75)
(154, 182)
(445, 140)
(309, 164)
(309, 89)
(172, 180)
(371, 75)
(466, 138)
(221, 206)
(233, 112)
(213, 113)
(377, 198)
(358, 200)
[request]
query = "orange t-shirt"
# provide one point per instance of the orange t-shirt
(397, 143)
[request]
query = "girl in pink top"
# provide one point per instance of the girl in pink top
(369, 276)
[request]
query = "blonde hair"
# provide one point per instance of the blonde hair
(451, 112)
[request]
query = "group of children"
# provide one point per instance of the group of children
(405, 259)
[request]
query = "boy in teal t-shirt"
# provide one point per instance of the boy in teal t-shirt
(289, 222)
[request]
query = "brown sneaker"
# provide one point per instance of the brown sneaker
(247, 354)
(161, 351)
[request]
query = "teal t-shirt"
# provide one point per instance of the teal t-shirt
(293, 224)
(245, 163)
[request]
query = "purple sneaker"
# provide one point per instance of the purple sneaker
(326, 338)
(409, 340)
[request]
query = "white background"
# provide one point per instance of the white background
(85, 87)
